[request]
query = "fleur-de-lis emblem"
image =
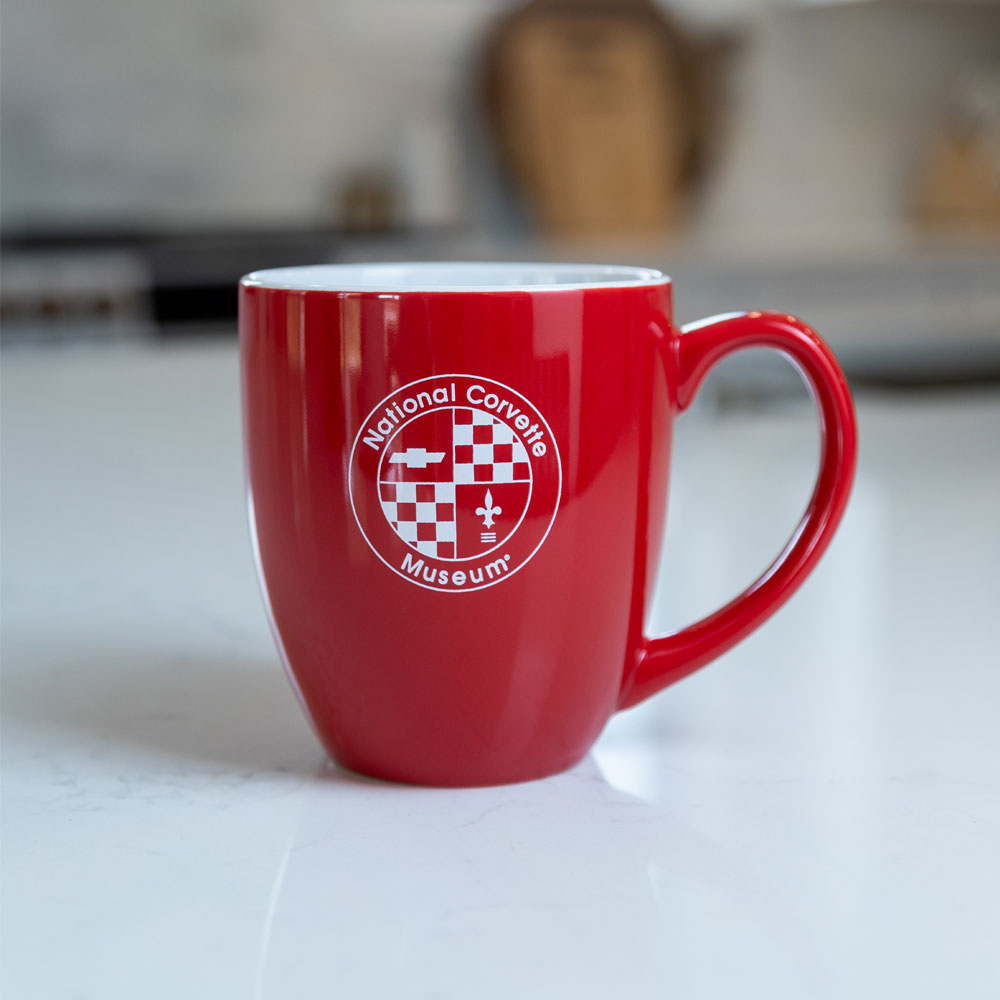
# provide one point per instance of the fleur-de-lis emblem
(488, 512)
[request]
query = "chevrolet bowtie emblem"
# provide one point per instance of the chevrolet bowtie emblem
(416, 458)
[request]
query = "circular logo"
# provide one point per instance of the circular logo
(455, 481)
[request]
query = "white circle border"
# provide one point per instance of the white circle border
(357, 520)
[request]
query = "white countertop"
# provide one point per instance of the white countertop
(815, 815)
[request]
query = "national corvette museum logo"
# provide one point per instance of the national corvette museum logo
(455, 481)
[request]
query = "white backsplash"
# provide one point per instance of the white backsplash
(190, 113)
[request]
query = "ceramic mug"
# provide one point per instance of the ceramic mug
(457, 479)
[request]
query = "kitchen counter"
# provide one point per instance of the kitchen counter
(815, 815)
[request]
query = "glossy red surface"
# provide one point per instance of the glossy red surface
(515, 678)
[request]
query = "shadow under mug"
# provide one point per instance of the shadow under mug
(457, 479)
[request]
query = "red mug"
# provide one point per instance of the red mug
(457, 479)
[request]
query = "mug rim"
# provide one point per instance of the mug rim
(402, 277)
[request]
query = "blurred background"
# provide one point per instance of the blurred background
(838, 160)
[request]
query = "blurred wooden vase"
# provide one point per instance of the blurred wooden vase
(595, 112)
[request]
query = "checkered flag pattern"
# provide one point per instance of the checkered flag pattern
(423, 515)
(487, 450)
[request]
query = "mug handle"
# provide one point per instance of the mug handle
(663, 660)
